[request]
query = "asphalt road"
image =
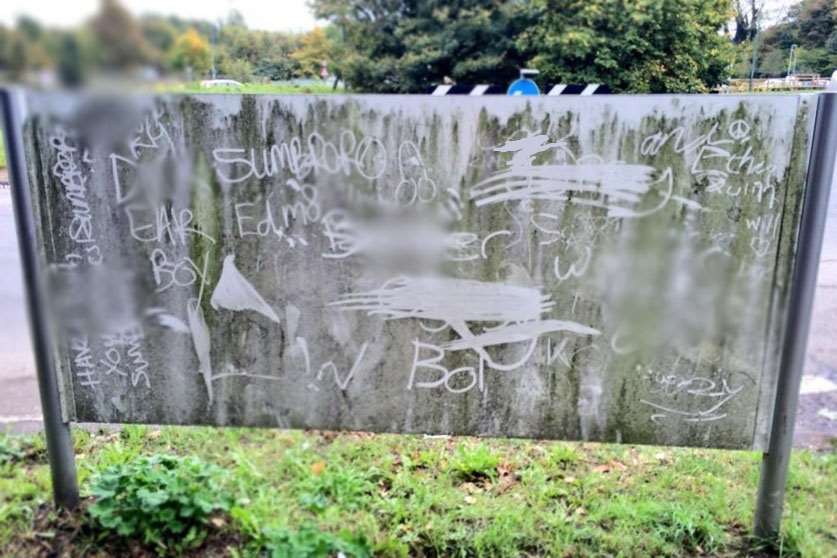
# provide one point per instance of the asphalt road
(817, 419)
(20, 409)
(19, 406)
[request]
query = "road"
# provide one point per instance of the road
(19, 406)
(817, 420)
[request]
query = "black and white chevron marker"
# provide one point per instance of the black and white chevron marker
(462, 89)
(574, 89)
(485, 89)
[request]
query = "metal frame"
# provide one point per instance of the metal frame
(775, 462)
(58, 437)
(795, 337)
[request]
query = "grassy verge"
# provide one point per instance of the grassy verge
(278, 88)
(296, 493)
(2, 152)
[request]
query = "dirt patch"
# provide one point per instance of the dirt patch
(61, 534)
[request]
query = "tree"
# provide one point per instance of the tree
(816, 22)
(159, 34)
(30, 28)
(400, 46)
(120, 40)
(810, 25)
(312, 53)
(71, 68)
(660, 46)
(747, 18)
(191, 52)
(237, 69)
(771, 63)
(17, 56)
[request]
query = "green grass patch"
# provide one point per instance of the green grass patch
(2, 153)
(277, 88)
(322, 494)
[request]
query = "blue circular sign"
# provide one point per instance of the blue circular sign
(523, 86)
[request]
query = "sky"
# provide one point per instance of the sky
(274, 15)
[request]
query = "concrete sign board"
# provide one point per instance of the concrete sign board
(603, 268)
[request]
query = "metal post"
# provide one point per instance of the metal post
(58, 438)
(755, 46)
(774, 467)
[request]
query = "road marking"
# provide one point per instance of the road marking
(830, 415)
(816, 384)
(20, 418)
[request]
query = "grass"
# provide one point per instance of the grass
(317, 494)
(277, 88)
(2, 152)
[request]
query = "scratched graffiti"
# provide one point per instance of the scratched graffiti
(608, 268)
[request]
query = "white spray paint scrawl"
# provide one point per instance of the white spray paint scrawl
(455, 302)
(234, 292)
(200, 338)
(615, 186)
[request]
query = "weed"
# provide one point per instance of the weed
(334, 485)
(165, 500)
(17, 450)
(310, 542)
(563, 455)
(10, 450)
(475, 463)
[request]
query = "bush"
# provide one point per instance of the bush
(237, 69)
(165, 500)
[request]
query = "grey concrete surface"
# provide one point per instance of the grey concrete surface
(641, 316)
(19, 406)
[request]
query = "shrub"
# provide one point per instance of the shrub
(165, 500)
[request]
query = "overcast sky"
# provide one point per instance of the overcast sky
(279, 15)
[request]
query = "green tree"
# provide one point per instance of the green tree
(120, 40)
(815, 61)
(190, 52)
(237, 69)
(816, 22)
(771, 63)
(313, 52)
(71, 67)
(660, 46)
(399, 46)
(30, 28)
(811, 25)
(159, 34)
(17, 56)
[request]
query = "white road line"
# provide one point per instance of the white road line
(20, 418)
(816, 384)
